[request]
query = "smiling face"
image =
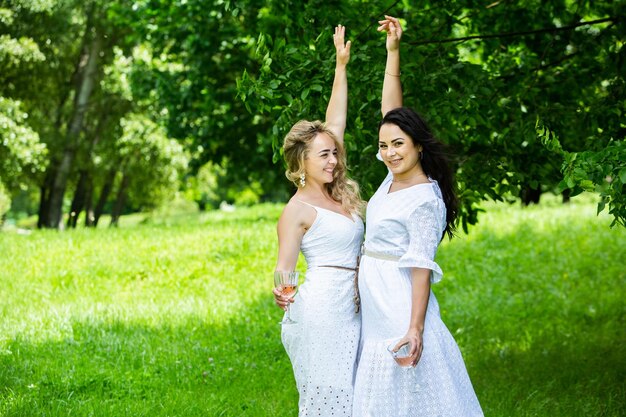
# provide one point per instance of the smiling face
(398, 151)
(321, 159)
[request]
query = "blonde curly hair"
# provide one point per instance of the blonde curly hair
(296, 147)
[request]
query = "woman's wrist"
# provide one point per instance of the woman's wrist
(415, 329)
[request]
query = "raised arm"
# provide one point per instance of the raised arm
(337, 110)
(392, 87)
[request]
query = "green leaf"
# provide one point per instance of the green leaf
(622, 175)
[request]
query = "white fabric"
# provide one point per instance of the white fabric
(324, 343)
(408, 223)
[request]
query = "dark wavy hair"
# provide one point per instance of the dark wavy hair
(434, 159)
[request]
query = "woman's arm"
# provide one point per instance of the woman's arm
(291, 228)
(425, 228)
(420, 292)
(337, 110)
(392, 87)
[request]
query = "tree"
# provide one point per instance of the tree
(21, 152)
(198, 50)
(482, 76)
(77, 89)
(150, 165)
(226, 80)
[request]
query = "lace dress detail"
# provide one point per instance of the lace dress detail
(406, 224)
(323, 344)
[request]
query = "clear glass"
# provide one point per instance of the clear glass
(402, 358)
(287, 283)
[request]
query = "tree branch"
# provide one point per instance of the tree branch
(512, 34)
(540, 67)
(550, 64)
(375, 20)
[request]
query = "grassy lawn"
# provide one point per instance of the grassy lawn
(174, 316)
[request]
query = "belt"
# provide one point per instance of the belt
(379, 255)
(346, 268)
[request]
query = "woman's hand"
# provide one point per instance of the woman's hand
(392, 26)
(280, 300)
(414, 339)
(342, 47)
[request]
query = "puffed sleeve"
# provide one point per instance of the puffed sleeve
(425, 227)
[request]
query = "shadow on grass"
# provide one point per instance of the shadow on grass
(539, 315)
(556, 374)
(542, 314)
(123, 369)
(240, 369)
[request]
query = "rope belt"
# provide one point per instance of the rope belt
(379, 255)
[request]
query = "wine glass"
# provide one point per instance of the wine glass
(287, 282)
(404, 360)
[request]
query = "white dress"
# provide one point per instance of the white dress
(324, 343)
(406, 225)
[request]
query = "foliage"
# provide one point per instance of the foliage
(226, 79)
(602, 171)
(248, 196)
(184, 324)
(5, 202)
(21, 152)
(202, 188)
(14, 51)
(152, 161)
(481, 74)
(198, 51)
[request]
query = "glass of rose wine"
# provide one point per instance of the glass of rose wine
(287, 283)
(404, 360)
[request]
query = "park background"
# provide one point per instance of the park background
(163, 119)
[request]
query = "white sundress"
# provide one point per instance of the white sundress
(323, 344)
(406, 225)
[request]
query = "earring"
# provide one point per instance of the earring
(421, 155)
(302, 180)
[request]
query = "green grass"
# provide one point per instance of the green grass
(174, 316)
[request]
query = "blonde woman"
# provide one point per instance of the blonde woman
(323, 220)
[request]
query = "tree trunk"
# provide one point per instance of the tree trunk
(530, 195)
(104, 196)
(44, 197)
(89, 216)
(78, 202)
(566, 194)
(84, 188)
(87, 80)
(118, 207)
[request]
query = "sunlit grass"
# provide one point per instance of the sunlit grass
(535, 299)
(172, 316)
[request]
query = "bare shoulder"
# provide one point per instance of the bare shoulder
(297, 214)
